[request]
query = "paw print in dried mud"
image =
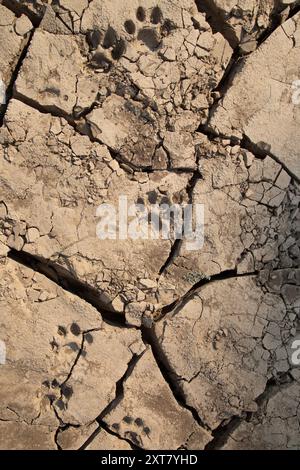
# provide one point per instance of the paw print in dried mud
(147, 28)
(64, 342)
(66, 345)
(108, 47)
(132, 429)
(59, 394)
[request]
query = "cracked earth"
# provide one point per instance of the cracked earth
(144, 344)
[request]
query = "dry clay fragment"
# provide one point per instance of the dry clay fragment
(33, 9)
(23, 25)
(126, 128)
(73, 438)
(13, 38)
(51, 83)
(262, 101)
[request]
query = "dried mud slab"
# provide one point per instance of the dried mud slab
(226, 341)
(106, 441)
(250, 217)
(261, 103)
(145, 421)
(55, 16)
(118, 342)
(75, 438)
(14, 35)
(62, 367)
(276, 425)
(255, 200)
(18, 435)
(62, 361)
(33, 8)
(51, 211)
(140, 77)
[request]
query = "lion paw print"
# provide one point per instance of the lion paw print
(132, 429)
(65, 346)
(68, 340)
(147, 28)
(149, 31)
(111, 47)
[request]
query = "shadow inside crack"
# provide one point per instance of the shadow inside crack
(63, 278)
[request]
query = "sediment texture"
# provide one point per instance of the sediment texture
(147, 343)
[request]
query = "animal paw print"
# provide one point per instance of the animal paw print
(108, 47)
(66, 346)
(59, 394)
(111, 46)
(133, 429)
(154, 29)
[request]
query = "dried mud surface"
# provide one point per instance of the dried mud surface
(145, 344)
